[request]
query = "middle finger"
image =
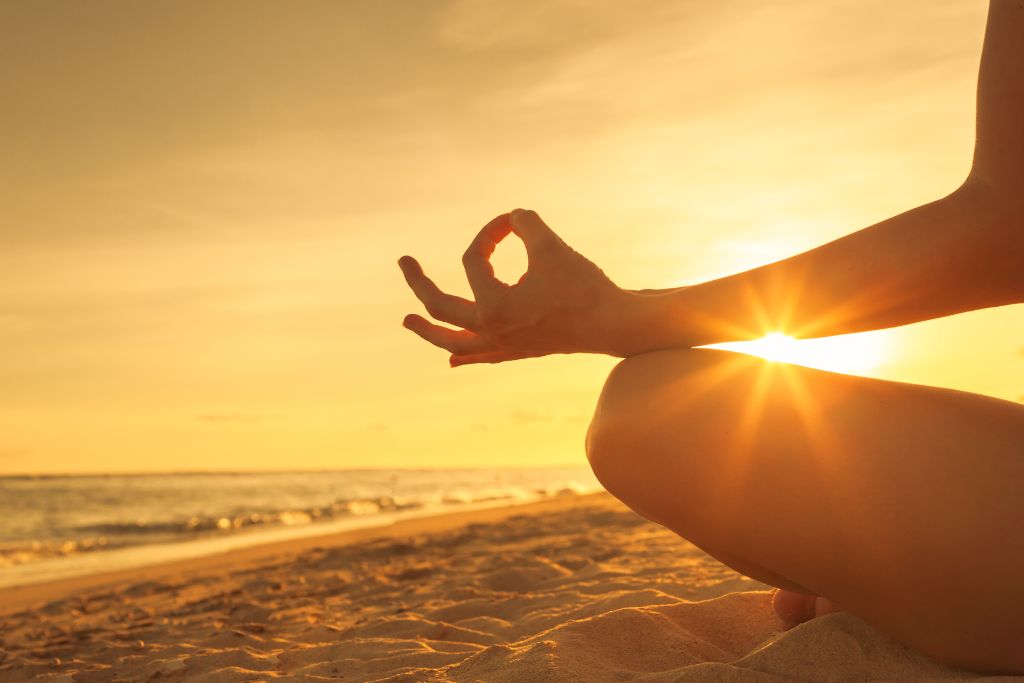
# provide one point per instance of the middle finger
(461, 342)
(440, 305)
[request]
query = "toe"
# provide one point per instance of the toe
(794, 608)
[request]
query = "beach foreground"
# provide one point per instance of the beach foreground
(573, 589)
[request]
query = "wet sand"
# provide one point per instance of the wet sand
(572, 589)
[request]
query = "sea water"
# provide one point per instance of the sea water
(59, 526)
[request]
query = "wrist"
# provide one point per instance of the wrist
(635, 322)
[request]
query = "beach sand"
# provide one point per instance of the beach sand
(571, 589)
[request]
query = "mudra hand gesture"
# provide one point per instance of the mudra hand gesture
(562, 304)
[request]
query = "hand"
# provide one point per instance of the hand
(563, 304)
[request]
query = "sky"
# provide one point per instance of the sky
(202, 204)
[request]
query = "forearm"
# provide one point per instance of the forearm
(959, 253)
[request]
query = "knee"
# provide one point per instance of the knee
(606, 436)
(639, 393)
(663, 409)
(607, 439)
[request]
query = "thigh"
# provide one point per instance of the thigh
(901, 502)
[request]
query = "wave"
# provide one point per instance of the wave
(33, 551)
(87, 538)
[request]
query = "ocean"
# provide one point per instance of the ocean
(55, 527)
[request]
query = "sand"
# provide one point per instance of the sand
(575, 589)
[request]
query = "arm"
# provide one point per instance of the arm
(960, 253)
(999, 148)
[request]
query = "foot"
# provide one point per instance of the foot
(796, 608)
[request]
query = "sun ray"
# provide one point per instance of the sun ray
(737, 476)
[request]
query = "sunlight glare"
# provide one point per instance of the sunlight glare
(849, 353)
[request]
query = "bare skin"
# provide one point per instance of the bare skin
(901, 503)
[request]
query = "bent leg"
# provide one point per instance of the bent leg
(902, 503)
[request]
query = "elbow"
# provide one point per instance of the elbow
(997, 209)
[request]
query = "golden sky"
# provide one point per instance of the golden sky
(202, 203)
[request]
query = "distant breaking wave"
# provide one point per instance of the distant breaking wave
(106, 513)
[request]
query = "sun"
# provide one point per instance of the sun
(850, 353)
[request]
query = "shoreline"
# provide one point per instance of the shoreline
(17, 597)
(184, 548)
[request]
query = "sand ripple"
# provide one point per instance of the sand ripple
(592, 593)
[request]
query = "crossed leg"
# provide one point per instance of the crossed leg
(902, 503)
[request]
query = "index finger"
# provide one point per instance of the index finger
(476, 260)
(534, 232)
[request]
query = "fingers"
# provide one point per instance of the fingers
(447, 307)
(459, 342)
(534, 232)
(467, 348)
(486, 357)
(469, 359)
(479, 271)
(526, 224)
